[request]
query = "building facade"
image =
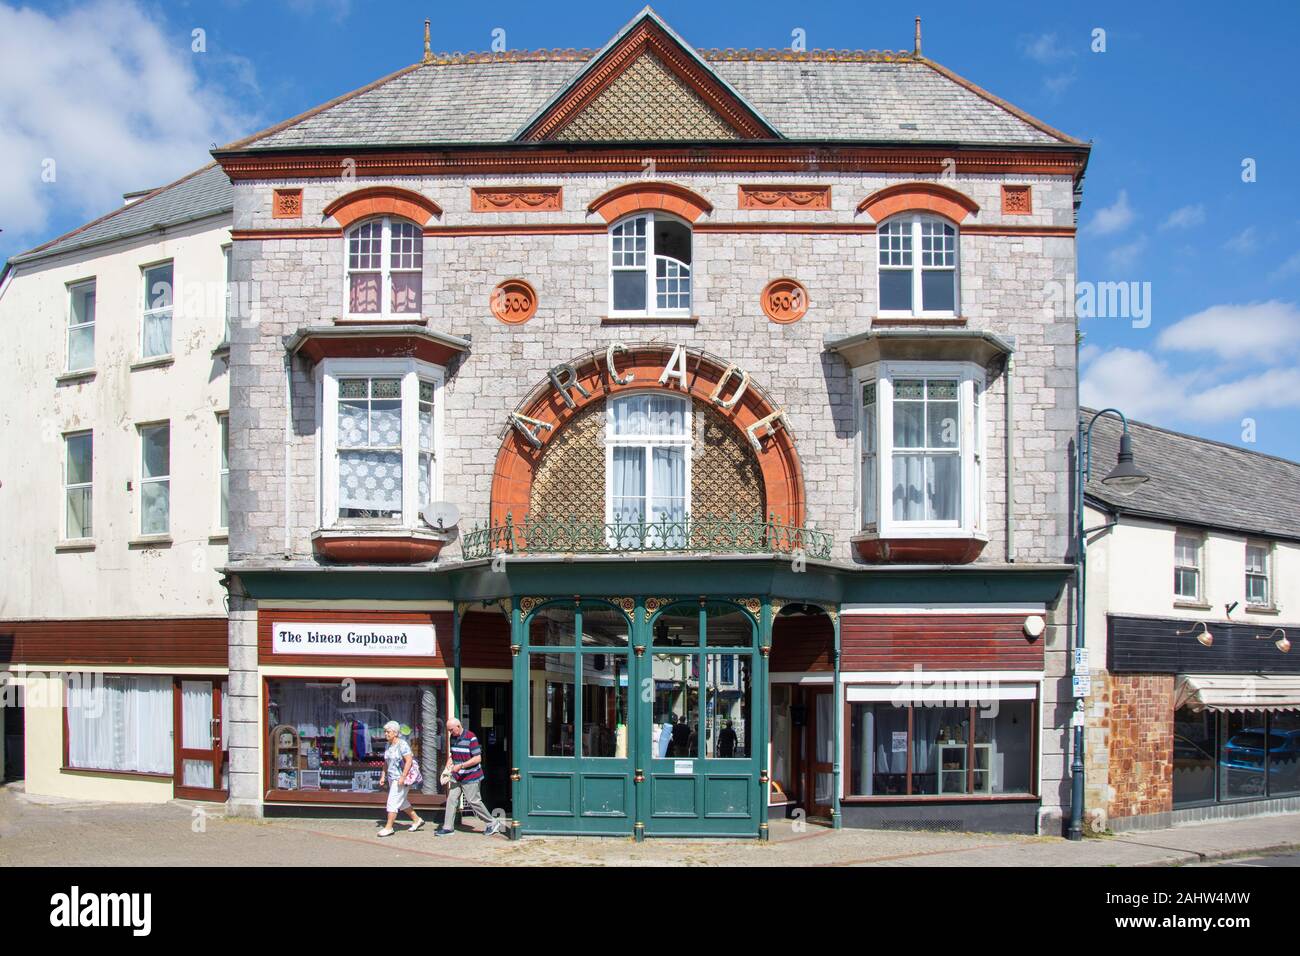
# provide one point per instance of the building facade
(695, 425)
(1192, 587)
(113, 499)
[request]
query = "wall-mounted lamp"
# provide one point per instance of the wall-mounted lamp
(1282, 644)
(1205, 637)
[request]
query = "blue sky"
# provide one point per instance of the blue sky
(113, 92)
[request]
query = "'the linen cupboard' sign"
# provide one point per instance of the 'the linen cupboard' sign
(384, 640)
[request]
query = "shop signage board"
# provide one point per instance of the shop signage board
(371, 640)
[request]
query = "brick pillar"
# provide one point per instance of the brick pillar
(243, 709)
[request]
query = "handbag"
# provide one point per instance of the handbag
(413, 776)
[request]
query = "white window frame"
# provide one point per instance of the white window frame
(410, 371)
(140, 429)
(386, 271)
(647, 443)
(972, 384)
(1266, 574)
(915, 219)
(74, 289)
(651, 268)
(225, 323)
(223, 468)
(146, 312)
(68, 487)
(1199, 567)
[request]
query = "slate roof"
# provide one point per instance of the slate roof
(835, 96)
(1199, 482)
(198, 195)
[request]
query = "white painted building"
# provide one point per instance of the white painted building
(1193, 600)
(112, 484)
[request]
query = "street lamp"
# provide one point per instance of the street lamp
(1125, 478)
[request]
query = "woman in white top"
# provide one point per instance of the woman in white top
(397, 764)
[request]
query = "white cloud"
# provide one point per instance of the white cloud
(1288, 268)
(1114, 218)
(1265, 331)
(1044, 48)
(1185, 217)
(1124, 258)
(1244, 242)
(112, 97)
(1147, 389)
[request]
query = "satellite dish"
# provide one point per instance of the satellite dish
(442, 515)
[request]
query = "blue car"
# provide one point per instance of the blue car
(1244, 751)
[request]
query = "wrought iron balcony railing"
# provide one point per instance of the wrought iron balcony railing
(709, 534)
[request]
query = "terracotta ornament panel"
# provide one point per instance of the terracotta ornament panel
(516, 199)
(785, 197)
(286, 204)
(784, 300)
(1017, 200)
(513, 302)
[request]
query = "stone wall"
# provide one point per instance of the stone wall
(297, 282)
(1140, 743)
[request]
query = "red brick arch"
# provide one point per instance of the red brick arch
(918, 197)
(382, 201)
(517, 459)
(640, 197)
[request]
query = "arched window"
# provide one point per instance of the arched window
(650, 266)
(648, 467)
(385, 259)
(918, 266)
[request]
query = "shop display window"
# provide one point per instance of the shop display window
(1235, 756)
(328, 736)
(921, 750)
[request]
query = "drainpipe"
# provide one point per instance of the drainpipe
(1009, 378)
(288, 435)
(837, 819)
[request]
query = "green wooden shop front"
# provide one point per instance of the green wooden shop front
(642, 716)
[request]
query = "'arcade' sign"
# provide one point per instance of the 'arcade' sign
(565, 380)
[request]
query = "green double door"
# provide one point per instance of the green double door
(629, 721)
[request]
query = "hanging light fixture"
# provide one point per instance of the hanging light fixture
(1205, 637)
(1282, 644)
(1126, 477)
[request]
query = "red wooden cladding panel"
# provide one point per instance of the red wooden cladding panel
(801, 644)
(485, 640)
(185, 642)
(441, 621)
(940, 642)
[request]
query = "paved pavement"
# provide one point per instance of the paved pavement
(47, 832)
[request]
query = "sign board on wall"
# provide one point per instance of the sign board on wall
(382, 640)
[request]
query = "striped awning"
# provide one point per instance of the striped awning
(1241, 692)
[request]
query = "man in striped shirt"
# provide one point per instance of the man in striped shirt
(465, 763)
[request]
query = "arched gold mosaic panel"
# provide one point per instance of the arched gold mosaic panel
(725, 477)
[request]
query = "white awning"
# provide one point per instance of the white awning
(1237, 692)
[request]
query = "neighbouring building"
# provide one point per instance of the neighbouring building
(113, 500)
(1193, 602)
(696, 424)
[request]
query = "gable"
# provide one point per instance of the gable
(647, 101)
(646, 85)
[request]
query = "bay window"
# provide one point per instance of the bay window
(381, 427)
(650, 266)
(648, 452)
(918, 274)
(920, 446)
(385, 264)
